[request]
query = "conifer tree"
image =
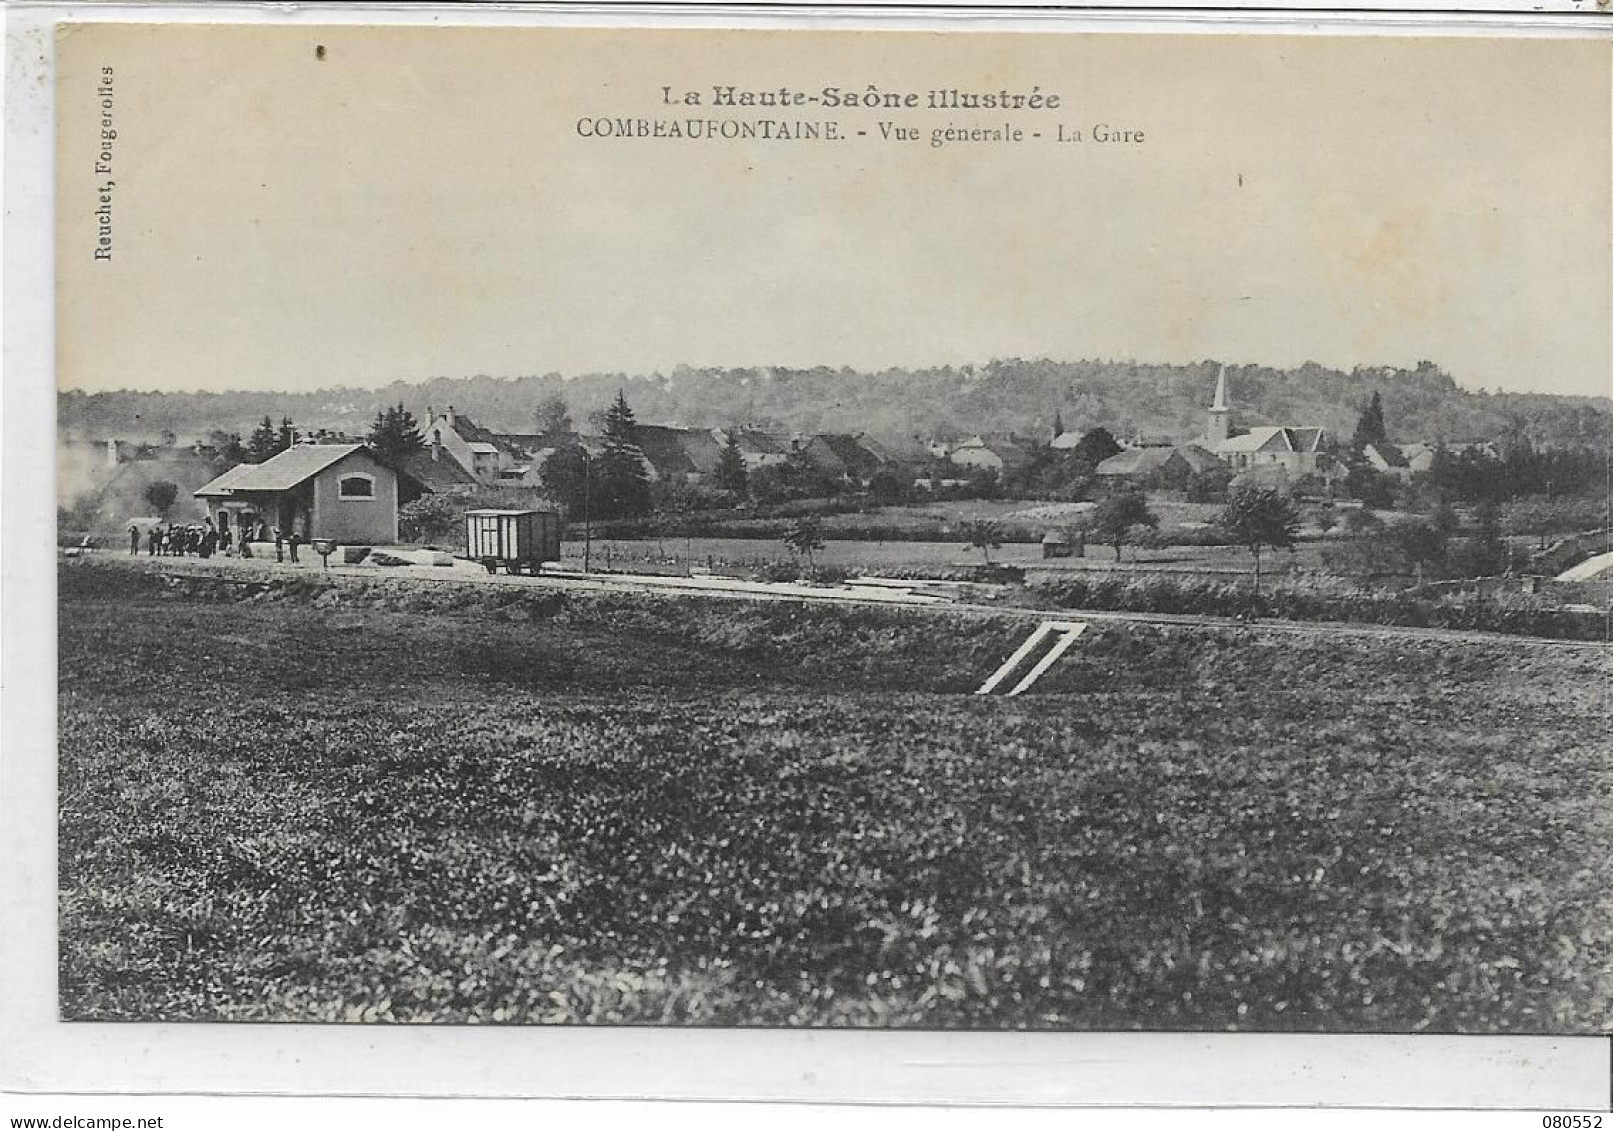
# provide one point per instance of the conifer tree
(263, 443)
(731, 472)
(623, 482)
(1369, 428)
(395, 432)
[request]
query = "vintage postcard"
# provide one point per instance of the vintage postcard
(772, 528)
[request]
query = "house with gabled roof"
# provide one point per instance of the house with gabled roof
(851, 455)
(1387, 458)
(1419, 456)
(1134, 463)
(1001, 452)
(478, 450)
(433, 469)
(344, 492)
(689, 455)
(759, 449)
(1401, 461)
(1156, 466)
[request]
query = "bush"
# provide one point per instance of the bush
(1325, 599)
(1365, 557)
(433, 518)
(998, 574)
(829, 575)
(926, 573)
(777, 571)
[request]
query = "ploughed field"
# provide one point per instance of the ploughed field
(361, 801)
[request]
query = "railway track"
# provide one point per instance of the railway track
(757, 591)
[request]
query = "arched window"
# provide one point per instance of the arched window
(356, 487)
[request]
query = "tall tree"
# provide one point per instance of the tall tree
(1369, 427)
(1370, 485)
(1423, 543)
(1117, 516)
(263, 443)
(731, 473)
(565, 480)
(1488, 554)
(1095, 447)
(886, 487)
(805, 537)
(552, 416)
(161, 493)
(623, 483)
(395, 432)
(228, 446)
(1260, 518)
(982, 534)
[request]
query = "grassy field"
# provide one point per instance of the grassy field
(372, 803)
(673, 552)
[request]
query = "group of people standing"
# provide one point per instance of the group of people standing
(205, 539)
(173, 540)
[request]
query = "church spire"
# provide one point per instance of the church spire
(1218, 427)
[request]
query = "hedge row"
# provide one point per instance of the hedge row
(1318, 600)
(774, 529)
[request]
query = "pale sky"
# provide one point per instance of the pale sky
(419, 203)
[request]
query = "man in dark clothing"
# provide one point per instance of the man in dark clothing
(294, 541)
(134, 540)
(153, 541)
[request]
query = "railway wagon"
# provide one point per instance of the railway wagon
(519, 540)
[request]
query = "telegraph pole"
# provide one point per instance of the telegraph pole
(587, 510)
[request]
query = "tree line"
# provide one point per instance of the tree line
(1010, 394)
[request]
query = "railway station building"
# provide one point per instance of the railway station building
(344, 492)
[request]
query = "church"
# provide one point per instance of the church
(1296, 449)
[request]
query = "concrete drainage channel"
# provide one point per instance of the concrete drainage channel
(1050, 640)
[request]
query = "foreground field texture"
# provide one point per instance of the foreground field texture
(359, 803)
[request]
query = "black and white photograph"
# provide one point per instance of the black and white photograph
(833, 529)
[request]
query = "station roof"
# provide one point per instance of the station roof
(291, 467)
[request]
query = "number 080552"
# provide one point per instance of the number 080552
(1571, 1122)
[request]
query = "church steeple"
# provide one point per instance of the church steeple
(1219, 423)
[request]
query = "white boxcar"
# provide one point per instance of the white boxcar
(519, 540)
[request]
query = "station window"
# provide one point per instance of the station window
(356, 487)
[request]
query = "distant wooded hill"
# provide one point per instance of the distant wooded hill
(1012, 395)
